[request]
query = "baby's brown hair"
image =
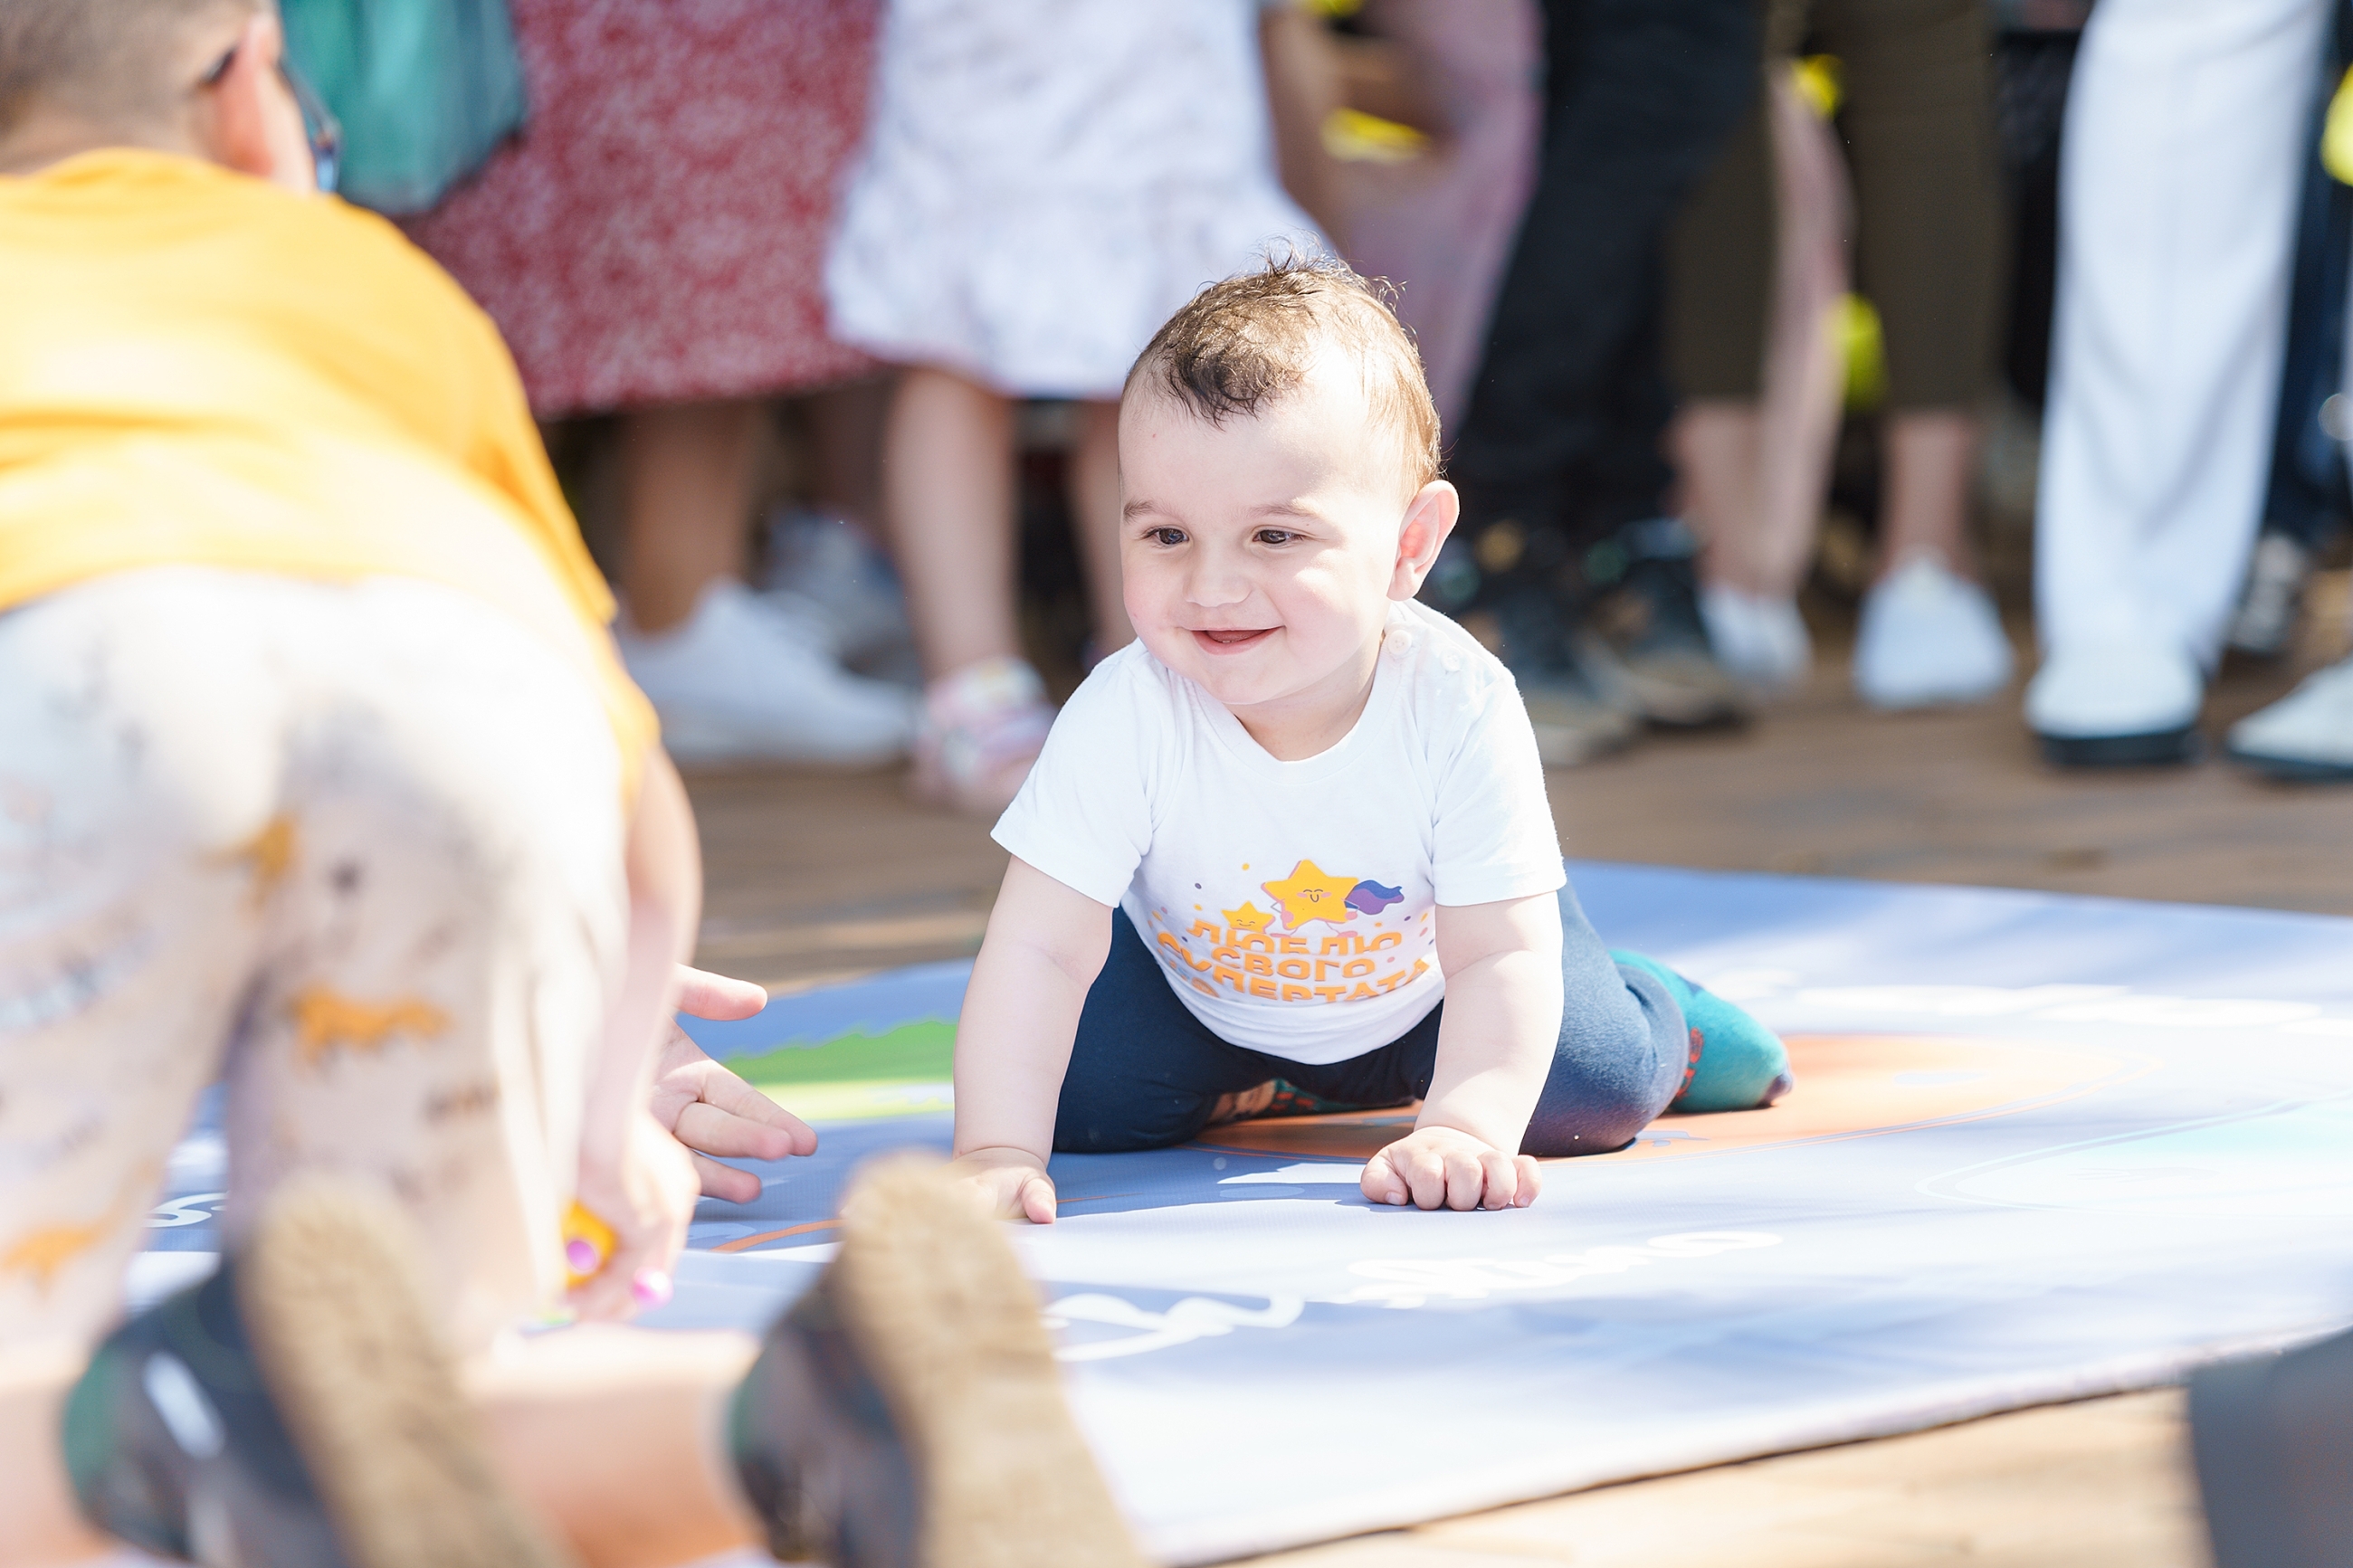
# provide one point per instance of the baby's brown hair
(1248, 342)
(108, 60)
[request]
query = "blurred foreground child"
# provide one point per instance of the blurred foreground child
(318, 774)
(1263, 842)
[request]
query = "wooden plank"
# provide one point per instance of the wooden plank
(818, 876)
(2101, 1484)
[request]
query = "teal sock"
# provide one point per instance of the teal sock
(1738, 1063)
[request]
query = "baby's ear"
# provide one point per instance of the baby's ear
(1429, 517)
(251, 123)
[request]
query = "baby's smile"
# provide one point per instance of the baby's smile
(1230, 639)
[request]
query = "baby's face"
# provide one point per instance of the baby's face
(1261, 556)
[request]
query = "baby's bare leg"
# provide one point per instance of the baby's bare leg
(617, 1435)
(43, 1524)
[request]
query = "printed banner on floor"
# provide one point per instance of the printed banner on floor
(2040, 1147)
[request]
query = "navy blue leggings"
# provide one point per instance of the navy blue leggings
(1145, 1073)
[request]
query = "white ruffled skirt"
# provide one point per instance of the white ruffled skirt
(1045, 182)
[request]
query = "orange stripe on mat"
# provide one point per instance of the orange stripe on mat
(746, 1243)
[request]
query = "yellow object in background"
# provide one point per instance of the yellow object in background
(2336, 133)
(1820, 80)
(1856, 321)
(1354, 137)
(588, 1244)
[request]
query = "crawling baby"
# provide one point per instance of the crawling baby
(1296, 834)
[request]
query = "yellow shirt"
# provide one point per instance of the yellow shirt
(197, 367)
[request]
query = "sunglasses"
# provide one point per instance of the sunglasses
(319, 127)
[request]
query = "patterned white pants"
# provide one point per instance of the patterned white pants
(354, 848)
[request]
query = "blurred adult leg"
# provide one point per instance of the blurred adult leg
(1752, 575)
(2305, 506)
(1929, 238)
(686, 486)
(846, 424)
(2178, 196)
(1639, 95)
(1094, 510)
(948, 502)
(948, 494)
(1445, 233)
(2307, 734)
(1918, 122)
(734, 677)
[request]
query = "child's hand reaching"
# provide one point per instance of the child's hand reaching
(1008, 1183)
(708, 1108)
(645, 1198)
(1438, 1167)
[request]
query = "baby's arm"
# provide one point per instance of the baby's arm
(633, 1175)
(1495, 1045)
(1045, 945)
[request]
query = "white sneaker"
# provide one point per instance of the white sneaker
(2307, 734)
(2278, 569)
(819, 563)
(1928, 636)
(740, 681)
(2117, 704)
(982, 728)
(1761, 640)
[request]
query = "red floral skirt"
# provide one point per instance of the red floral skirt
(658, 233)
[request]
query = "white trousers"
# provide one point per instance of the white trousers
(356, 848)
(2184, 151)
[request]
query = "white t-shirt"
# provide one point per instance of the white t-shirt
(1292, 903)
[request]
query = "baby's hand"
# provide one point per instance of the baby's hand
(1007, 1183)
(1438, 1167)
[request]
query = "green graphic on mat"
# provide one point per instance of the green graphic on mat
(859, 1077)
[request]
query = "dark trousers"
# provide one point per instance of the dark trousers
(1145, 1072)
(2307, 498)
(1918, 123)
(1570, 399)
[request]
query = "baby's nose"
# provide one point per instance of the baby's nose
(1212, 584)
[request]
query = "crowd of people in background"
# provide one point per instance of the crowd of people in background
(826, 308)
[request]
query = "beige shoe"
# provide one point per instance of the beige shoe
(908, 1412)
(329, 1292)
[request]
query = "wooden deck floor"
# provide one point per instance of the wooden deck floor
(818, 876)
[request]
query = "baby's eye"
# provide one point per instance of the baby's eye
(1275, 536)
(1166, 536)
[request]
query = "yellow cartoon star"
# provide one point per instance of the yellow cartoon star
(324, 1019)
(42, 1253)
(1250, 917)
(270, 852)
(1310, 894)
